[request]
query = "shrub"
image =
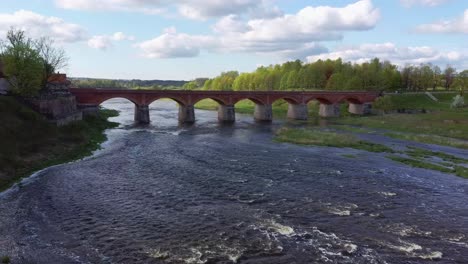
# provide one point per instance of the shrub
(458, 101)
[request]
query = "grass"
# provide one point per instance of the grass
(457, 170)
(423, 153)
(30, 143)
(6, 259)
(431, 139)
(351, 156)
(422, 101)
(329, 139)
(420, 164)
(280, 107)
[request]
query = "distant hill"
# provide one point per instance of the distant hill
(129, 84)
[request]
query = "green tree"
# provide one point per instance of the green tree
(449, 76)
(22, 63)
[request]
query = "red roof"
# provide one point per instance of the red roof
(58, 79)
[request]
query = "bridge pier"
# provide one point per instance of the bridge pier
(263, 112)
(357, 109)
(329, 110)
(226, 113)
(186, 114)
(142, 114)
(298, 111)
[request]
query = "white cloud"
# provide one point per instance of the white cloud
(37, 25)
(409, 3)
(175, 45)
(104, 42)
(285, 35)
(143, 6)
(393, 53)
(193, 9)
(458, 25)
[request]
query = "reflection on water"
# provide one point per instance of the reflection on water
(211, 193)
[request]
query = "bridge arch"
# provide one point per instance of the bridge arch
(102, 99)
(320, 99)
(255, 100)
(218, 100)
(177, 100)
(353, 100)
(290, 100)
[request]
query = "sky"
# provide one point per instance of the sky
(187, 39)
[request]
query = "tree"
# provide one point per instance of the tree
(23, 64)
(190, 85)
(461, 81)
(54, 58)
(449, 76)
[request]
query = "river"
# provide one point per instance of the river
(212, 193)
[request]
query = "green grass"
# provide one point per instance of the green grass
(329, 139)
(423, 153)
(431, 139)
(351, 156)
(457, 170)
(280, 107)
(420, 164)
(6, 259)
(353, 129)
(30, 143)
(422, 101)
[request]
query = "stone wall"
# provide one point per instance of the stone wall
(60, 109)
(4, 86)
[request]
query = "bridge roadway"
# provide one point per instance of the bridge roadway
(89, 99)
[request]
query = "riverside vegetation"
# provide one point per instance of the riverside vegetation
(439, 124)
(30, 143)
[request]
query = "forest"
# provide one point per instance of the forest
(126, 84)
(338, 75)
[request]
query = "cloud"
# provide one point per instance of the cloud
(37, 25)
(431, 3)
(142, 6)
(193, 9)
(104, 42)
(458, 25)
(175, 45)
(393, 53)
(287, 35)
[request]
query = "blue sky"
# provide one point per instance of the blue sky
(163, 39)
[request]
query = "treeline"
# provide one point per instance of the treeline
(126, 84)
(338, 75)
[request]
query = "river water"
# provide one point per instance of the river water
(212, 193)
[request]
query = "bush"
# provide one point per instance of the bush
(458, 101)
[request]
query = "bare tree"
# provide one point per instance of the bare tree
(54, 58)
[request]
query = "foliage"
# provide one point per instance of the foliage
(374, 75)
(126, 84)
(384, 103)
(29, 142)
(22, 63)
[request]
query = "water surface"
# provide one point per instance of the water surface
(212, 193)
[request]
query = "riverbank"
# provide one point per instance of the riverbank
(30, 143)
(435, 123)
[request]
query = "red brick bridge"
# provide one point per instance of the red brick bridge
(89, 99)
